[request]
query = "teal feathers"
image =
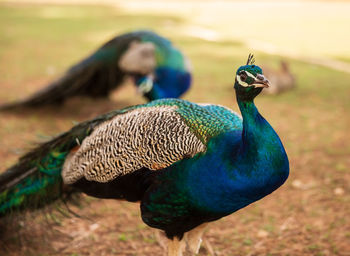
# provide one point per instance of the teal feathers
(38, 188)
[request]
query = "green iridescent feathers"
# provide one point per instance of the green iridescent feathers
(41, 186)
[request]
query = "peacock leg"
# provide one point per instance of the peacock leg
(194, 238)
(175, 247)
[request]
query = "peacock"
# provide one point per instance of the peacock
(187, 164)
(158, 69)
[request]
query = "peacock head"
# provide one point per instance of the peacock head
(250, 80)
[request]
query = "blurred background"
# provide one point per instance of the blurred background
(309, 215)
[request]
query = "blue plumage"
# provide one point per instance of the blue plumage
(168, 83)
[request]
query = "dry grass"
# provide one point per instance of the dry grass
(307, 216)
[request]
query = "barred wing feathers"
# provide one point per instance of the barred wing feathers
(152, 137)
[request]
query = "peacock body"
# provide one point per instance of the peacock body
(188, 164)
(159, 70)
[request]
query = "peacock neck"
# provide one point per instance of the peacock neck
(248, 110)
(253, 125)
(260, 144)
(262, 162)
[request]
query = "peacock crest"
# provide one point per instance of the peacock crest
(251, 59)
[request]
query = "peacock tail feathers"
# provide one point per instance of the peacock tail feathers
(36, 179)
(42, 184)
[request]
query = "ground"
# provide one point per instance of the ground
(308, 215)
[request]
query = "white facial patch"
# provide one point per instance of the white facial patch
(250, 74)
(244, 84)
(139, 58)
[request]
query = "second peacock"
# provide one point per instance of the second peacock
(188, 164)
(158, 68)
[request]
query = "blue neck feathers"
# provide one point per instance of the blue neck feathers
(261, 157)
(254, 127)
(239, 167)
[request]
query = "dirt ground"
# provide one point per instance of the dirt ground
(308, 215)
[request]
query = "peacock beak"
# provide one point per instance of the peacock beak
(261, 81)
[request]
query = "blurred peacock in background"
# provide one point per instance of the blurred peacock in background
(158, 69)
(188, 164)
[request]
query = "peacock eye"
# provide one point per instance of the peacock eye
(243, 76)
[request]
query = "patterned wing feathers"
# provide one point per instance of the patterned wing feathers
(151, 137)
